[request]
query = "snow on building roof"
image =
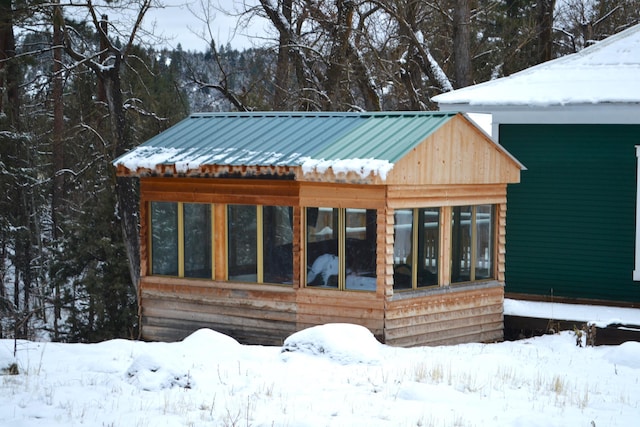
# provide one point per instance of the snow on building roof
(606, 72)
(362, 142)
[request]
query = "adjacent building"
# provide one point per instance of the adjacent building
(575, 123)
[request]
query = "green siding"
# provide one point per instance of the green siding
(571, 220)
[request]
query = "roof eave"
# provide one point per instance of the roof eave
(295, 173)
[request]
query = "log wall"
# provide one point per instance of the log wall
(173, 308)
(445, 316)
(320, 306)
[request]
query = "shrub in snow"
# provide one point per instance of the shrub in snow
(11, 369)
(341, 342)
(8, 365)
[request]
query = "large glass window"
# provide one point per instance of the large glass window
(197, 240)
(278, 244)
(341, 248)
(242, 238)
(472, 243)
(360, 249)
(415, 250)
(322, 247)
(181, 239)
(164, 238)
(260, 243)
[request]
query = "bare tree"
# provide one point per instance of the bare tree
(283, 65)
(9, 100)
(108, 64)
(579, 23)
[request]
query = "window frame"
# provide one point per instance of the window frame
(260, 245)
(341, 238)
(181, 240)
(220, 249)
(473, 244)
(416, 214)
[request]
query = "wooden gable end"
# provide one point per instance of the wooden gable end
(457, 153)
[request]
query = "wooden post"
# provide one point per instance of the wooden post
(444, 257)
(220, 231)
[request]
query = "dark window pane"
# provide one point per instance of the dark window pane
(428, 242)
(322, 247)
(164, 238)
(461, 244)
(242, 240)
(197, 240)
(360, 249)
(278, 244)
(402, 248)
(484, 242)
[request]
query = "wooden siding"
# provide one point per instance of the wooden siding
(444, 316)
(320, 306)
(342, 196)
(410, 196)
(259, 314)
(457, 154)
(571, 219)
(209, 190)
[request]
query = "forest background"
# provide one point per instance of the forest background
(80, 86)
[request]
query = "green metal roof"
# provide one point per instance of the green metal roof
(284, 138)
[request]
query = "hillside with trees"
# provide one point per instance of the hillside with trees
(79, 89)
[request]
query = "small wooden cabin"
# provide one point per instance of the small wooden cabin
(258, 225)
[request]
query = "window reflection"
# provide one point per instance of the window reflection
(419, 228)
(242, 248)
(164, 238)
(278, 244)
(197, 240)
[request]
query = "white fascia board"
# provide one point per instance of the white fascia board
(552, 114)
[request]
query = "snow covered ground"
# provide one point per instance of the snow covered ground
(331, 375)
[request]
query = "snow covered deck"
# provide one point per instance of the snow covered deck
(527, 318)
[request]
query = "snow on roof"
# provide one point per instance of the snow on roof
(363, 143)
(606, 72)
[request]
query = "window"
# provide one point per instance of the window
(197, 240)
(181, 239)
(277, 236)
(164, 238)
(260, 243)
(472, 243)
(416, 243)
(341, 248)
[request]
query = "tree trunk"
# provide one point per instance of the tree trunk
(545, 29)
(338, 55)
(282, 67)
(462, 43)
(126, 188)
(58, 148)
(8, 71)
